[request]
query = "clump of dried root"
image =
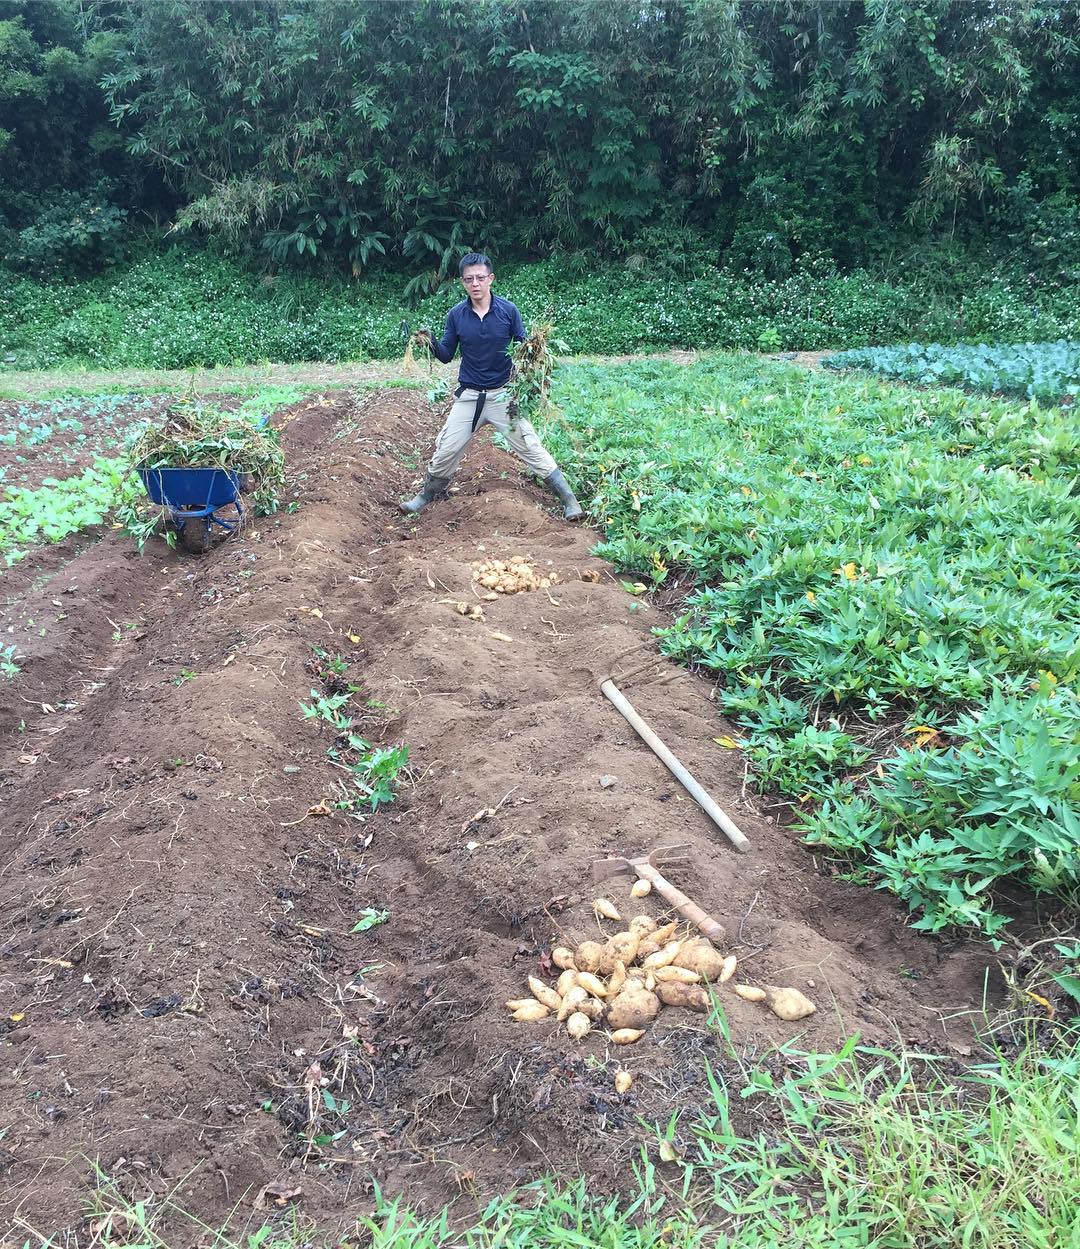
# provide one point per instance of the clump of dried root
(417, 349)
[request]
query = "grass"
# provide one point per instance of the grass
(863, 1148)
(246, 380)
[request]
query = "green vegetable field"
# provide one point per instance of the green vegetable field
(885, 582)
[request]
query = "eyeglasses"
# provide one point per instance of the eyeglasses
(478, 277)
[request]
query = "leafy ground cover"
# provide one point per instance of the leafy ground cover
(886, 588)
(183, 308)
(1049, 372)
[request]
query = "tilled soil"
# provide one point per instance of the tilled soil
(187, 1008)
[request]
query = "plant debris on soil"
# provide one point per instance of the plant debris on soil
(196, 998)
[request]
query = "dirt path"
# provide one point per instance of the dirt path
(191, 1007)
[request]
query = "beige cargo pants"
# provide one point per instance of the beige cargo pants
(457, 433)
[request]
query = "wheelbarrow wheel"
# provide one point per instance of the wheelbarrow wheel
(195, 535)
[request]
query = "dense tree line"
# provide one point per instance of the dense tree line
(365, 132)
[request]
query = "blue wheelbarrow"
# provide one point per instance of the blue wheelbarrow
(193, 499)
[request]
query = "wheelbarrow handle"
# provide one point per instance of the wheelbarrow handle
(689, 910)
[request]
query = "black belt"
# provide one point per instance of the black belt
(481, 399)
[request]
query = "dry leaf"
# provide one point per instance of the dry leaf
(729, 743)
(501, 637)
(668, 1152)
(354, 638)
(316, 613)
(279, 1193)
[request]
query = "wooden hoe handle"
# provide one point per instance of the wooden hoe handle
(690, 911)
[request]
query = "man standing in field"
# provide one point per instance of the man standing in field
(483, 325)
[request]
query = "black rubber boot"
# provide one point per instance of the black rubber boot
(432, 489)
(558, 484)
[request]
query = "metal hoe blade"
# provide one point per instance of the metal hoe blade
(661, 857)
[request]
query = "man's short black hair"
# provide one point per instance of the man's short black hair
(475, 258)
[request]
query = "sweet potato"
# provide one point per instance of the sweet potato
(641, 888)
(617, 979)
(602, 906)
(588, 955)
(690, 996)
(627, 1036)
(633, 1010)
(571, 1002)
(531, 1012)
(789, 1004)
(662, 957)
(565, 982)
(592, 1007)
(620, 948)
(543, 993)
(563, 958)
(578, 1025)
(701, 957)
(623, 1081)
(592, 984)
(750, 993)
(641, 925)
(682, 975)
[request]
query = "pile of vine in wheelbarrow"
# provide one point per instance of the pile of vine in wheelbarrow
(190, 434)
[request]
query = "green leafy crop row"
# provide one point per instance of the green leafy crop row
(887, 580)
(1046, 371)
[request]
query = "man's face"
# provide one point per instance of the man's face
(477, 280)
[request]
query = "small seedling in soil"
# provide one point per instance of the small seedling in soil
(370, 918)
(9, 666)
(185, 674)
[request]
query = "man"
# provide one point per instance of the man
(483, 325)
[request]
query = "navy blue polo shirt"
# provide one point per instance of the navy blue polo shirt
(484, 341)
